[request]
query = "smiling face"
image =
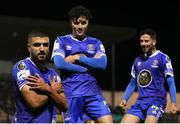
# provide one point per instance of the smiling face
(79, 27)
(38, 48)
(147, 44)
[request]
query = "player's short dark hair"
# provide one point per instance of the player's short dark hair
(150, 32)
(36, 33)
(78, 11)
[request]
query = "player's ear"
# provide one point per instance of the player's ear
(28, 45)
(154, 42)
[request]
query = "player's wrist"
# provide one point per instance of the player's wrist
(49, 89)
(173, 103)
(124, 100)
(77, 57)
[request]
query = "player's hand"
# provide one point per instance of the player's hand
(97, 56)
(57, 86)
(72, 58)
(122, 104)
(37, 83)
(174, 109)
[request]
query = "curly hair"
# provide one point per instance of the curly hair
(78, 11)
(150, 32)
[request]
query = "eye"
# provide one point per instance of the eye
(76, 23)
(45, 44)
(84, 22)
(39, 44)
(144, 40)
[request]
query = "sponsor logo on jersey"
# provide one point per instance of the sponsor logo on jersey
(168, 65)
(21, 75)
(102, 48)
(144, 78)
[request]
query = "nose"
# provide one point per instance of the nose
(79, 25)
(42, 47)
(143, 42)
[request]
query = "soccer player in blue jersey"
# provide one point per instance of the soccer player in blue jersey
(149, 73)
(36, 87)
(77, 56)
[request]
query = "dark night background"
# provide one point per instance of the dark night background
(159, 15)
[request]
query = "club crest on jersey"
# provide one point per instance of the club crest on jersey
(91, 48)
(21, 66)
(155, 64)
(144, 78)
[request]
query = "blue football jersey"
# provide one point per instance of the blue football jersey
(150, 75)
(21, 71)
(78, 84)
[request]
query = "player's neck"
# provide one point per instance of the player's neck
(39, 64)
(79, 37)
(153, 51)
(147, 54)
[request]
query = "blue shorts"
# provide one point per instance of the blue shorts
(142, 109)
(87, 108)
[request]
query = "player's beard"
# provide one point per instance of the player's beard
(146, 49)
(42, 57)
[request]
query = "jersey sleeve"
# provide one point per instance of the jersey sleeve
(167, 66)
(20, 73)
(58, 48)
(133, 73)
(100, 49)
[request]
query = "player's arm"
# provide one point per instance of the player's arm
(172, 89)
(38, 85)
(33, 99)
(56, 93)
(168, 71)
(58, 57)
(60, 63)
(128, 92)
(98, 61)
